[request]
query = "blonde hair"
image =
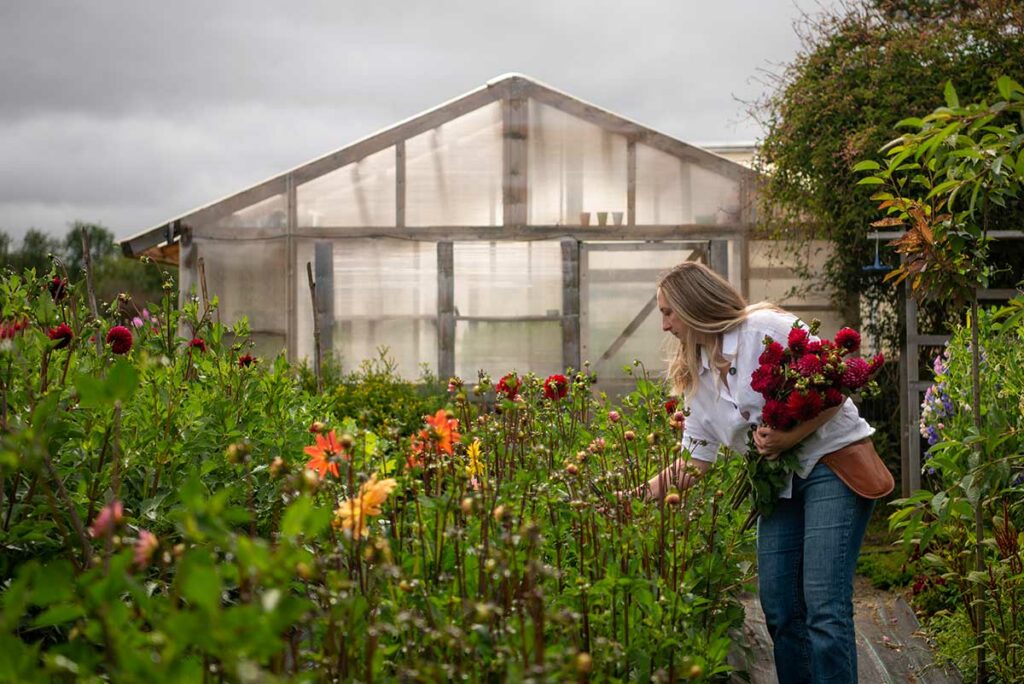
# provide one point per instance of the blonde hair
(708, 306)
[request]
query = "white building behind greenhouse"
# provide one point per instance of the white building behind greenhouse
(515, 227)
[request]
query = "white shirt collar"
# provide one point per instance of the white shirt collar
(729, 340)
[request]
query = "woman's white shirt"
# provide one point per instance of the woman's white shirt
(723, 413)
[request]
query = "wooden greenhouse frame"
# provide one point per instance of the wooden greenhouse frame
(723, 245)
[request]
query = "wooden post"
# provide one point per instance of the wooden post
(87, 256)
(514, 181)
(400, 184)
(910, 405)
(570, 304)
(445, 310)
(291, 295)
(718, 257)
(323, 258)
(316, 328)
(631, 183)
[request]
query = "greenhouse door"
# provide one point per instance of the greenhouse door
(617, 298)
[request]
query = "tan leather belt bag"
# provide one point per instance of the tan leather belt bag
(859, 466)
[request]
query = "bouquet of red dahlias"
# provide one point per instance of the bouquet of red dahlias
(799, 381)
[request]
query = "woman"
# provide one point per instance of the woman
(807, 549)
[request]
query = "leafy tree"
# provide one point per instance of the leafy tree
(942, 182)
(863, 68)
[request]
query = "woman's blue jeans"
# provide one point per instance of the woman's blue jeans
(806, 553)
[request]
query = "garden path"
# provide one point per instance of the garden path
(891, 649)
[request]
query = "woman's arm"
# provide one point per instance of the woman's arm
(680, 474)
(770, 443)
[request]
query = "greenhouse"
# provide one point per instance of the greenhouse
(513, 227)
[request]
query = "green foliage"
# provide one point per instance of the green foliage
(886, 569)
(972, 468)
(162, 520)
(863, 69)
(376, 396)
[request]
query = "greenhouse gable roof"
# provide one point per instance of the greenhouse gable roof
(158, 239)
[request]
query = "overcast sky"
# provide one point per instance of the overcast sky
(131, 112)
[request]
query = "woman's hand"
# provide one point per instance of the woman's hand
(770, 442)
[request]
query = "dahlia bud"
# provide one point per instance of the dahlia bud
(584, 663)
(614, 416)
(672, 499)
(346, 441)
(500, 513)
(629, 435)
(572, 469)
(316, 427)
(278, 467)
(467, 506)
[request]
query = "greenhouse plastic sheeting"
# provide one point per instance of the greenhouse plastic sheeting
(508, 278)
(385, 293)
(453, 172)
(269, 213)
(358, 194)
(670, 191)
(573, 167)
(500, 347)
(248, 277)
(616, 285)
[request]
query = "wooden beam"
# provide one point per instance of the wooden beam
(685, 232)
(539, 318)
(514, 182)
(290, 288)
(323, 258)
(570, 304)
(631, 183)
(445, 310)
(400, 184)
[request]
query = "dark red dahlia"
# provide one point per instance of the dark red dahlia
(804, 406)
(848, 339)
(772, 354)
(120, 339)
(856, 373)
(670, 405)
(833, 397)
(775, 415)
(197, 343)
(876, 363)
(58, 288)
(798, 340)
(814, 347)
(246, 361)
(766, 379)
(809, 365)
(62, 335)
(556, 386)
(508, 385)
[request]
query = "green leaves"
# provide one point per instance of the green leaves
(119, 385)
(949, 92)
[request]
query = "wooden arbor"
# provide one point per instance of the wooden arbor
(512, 163)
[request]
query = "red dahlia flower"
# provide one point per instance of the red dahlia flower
(556, 386)
(670, 405)
(765, 380)
(775, 415)
(809, 365)
(509, 385)
(798, 340)
(876, 363)
(804, 406)
(246, 361)
(856, 374)
(197, 343)
(833, 397)
(120, 339)
(848, 339)
(58, 288)
(772, 354)
(62, 335)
